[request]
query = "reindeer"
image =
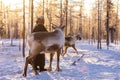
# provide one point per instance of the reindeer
(70, 42)
(47, 42)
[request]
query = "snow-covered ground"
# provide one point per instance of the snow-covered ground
(95, 65)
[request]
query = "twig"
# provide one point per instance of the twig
(74, 63)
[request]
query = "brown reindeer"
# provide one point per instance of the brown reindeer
(47, 42)
(70, 42)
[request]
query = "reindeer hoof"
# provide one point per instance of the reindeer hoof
(41, 70)
(58, 69)
(24, 75)
(36, 73)
(49, 69)
(62, 54)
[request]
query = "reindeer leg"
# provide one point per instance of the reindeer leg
(34, 67)
(73, 46)
(58, 60)
(65, 51)
(50, 65)
(25, 67)
(28, 60)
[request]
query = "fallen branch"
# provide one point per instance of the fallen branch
(74, 63)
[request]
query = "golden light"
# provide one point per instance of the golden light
(76, 8)
(12, 3)
(88, 4)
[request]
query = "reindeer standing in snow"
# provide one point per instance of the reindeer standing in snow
(70, 42)
(47, 42)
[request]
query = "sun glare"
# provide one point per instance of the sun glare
(12, 3)
(88, 5)
(18, 3)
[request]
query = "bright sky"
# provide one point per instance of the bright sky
(88, 4)
(13, 2)
(18, 3)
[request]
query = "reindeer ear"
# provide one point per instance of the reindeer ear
(53, 27)
(62, 27)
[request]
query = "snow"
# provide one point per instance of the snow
(96, 64)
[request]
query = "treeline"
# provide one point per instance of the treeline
(102, 21)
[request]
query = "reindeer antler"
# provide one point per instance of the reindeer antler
(54, 24)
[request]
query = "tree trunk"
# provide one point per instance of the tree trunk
(107, 24)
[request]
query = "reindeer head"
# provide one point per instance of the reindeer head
(58, 27)
(78, 37)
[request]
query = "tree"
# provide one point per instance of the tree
(66, 12)
(109, 20)
(99, 24)
(81, 16)
(23, 33)
(49, 14)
